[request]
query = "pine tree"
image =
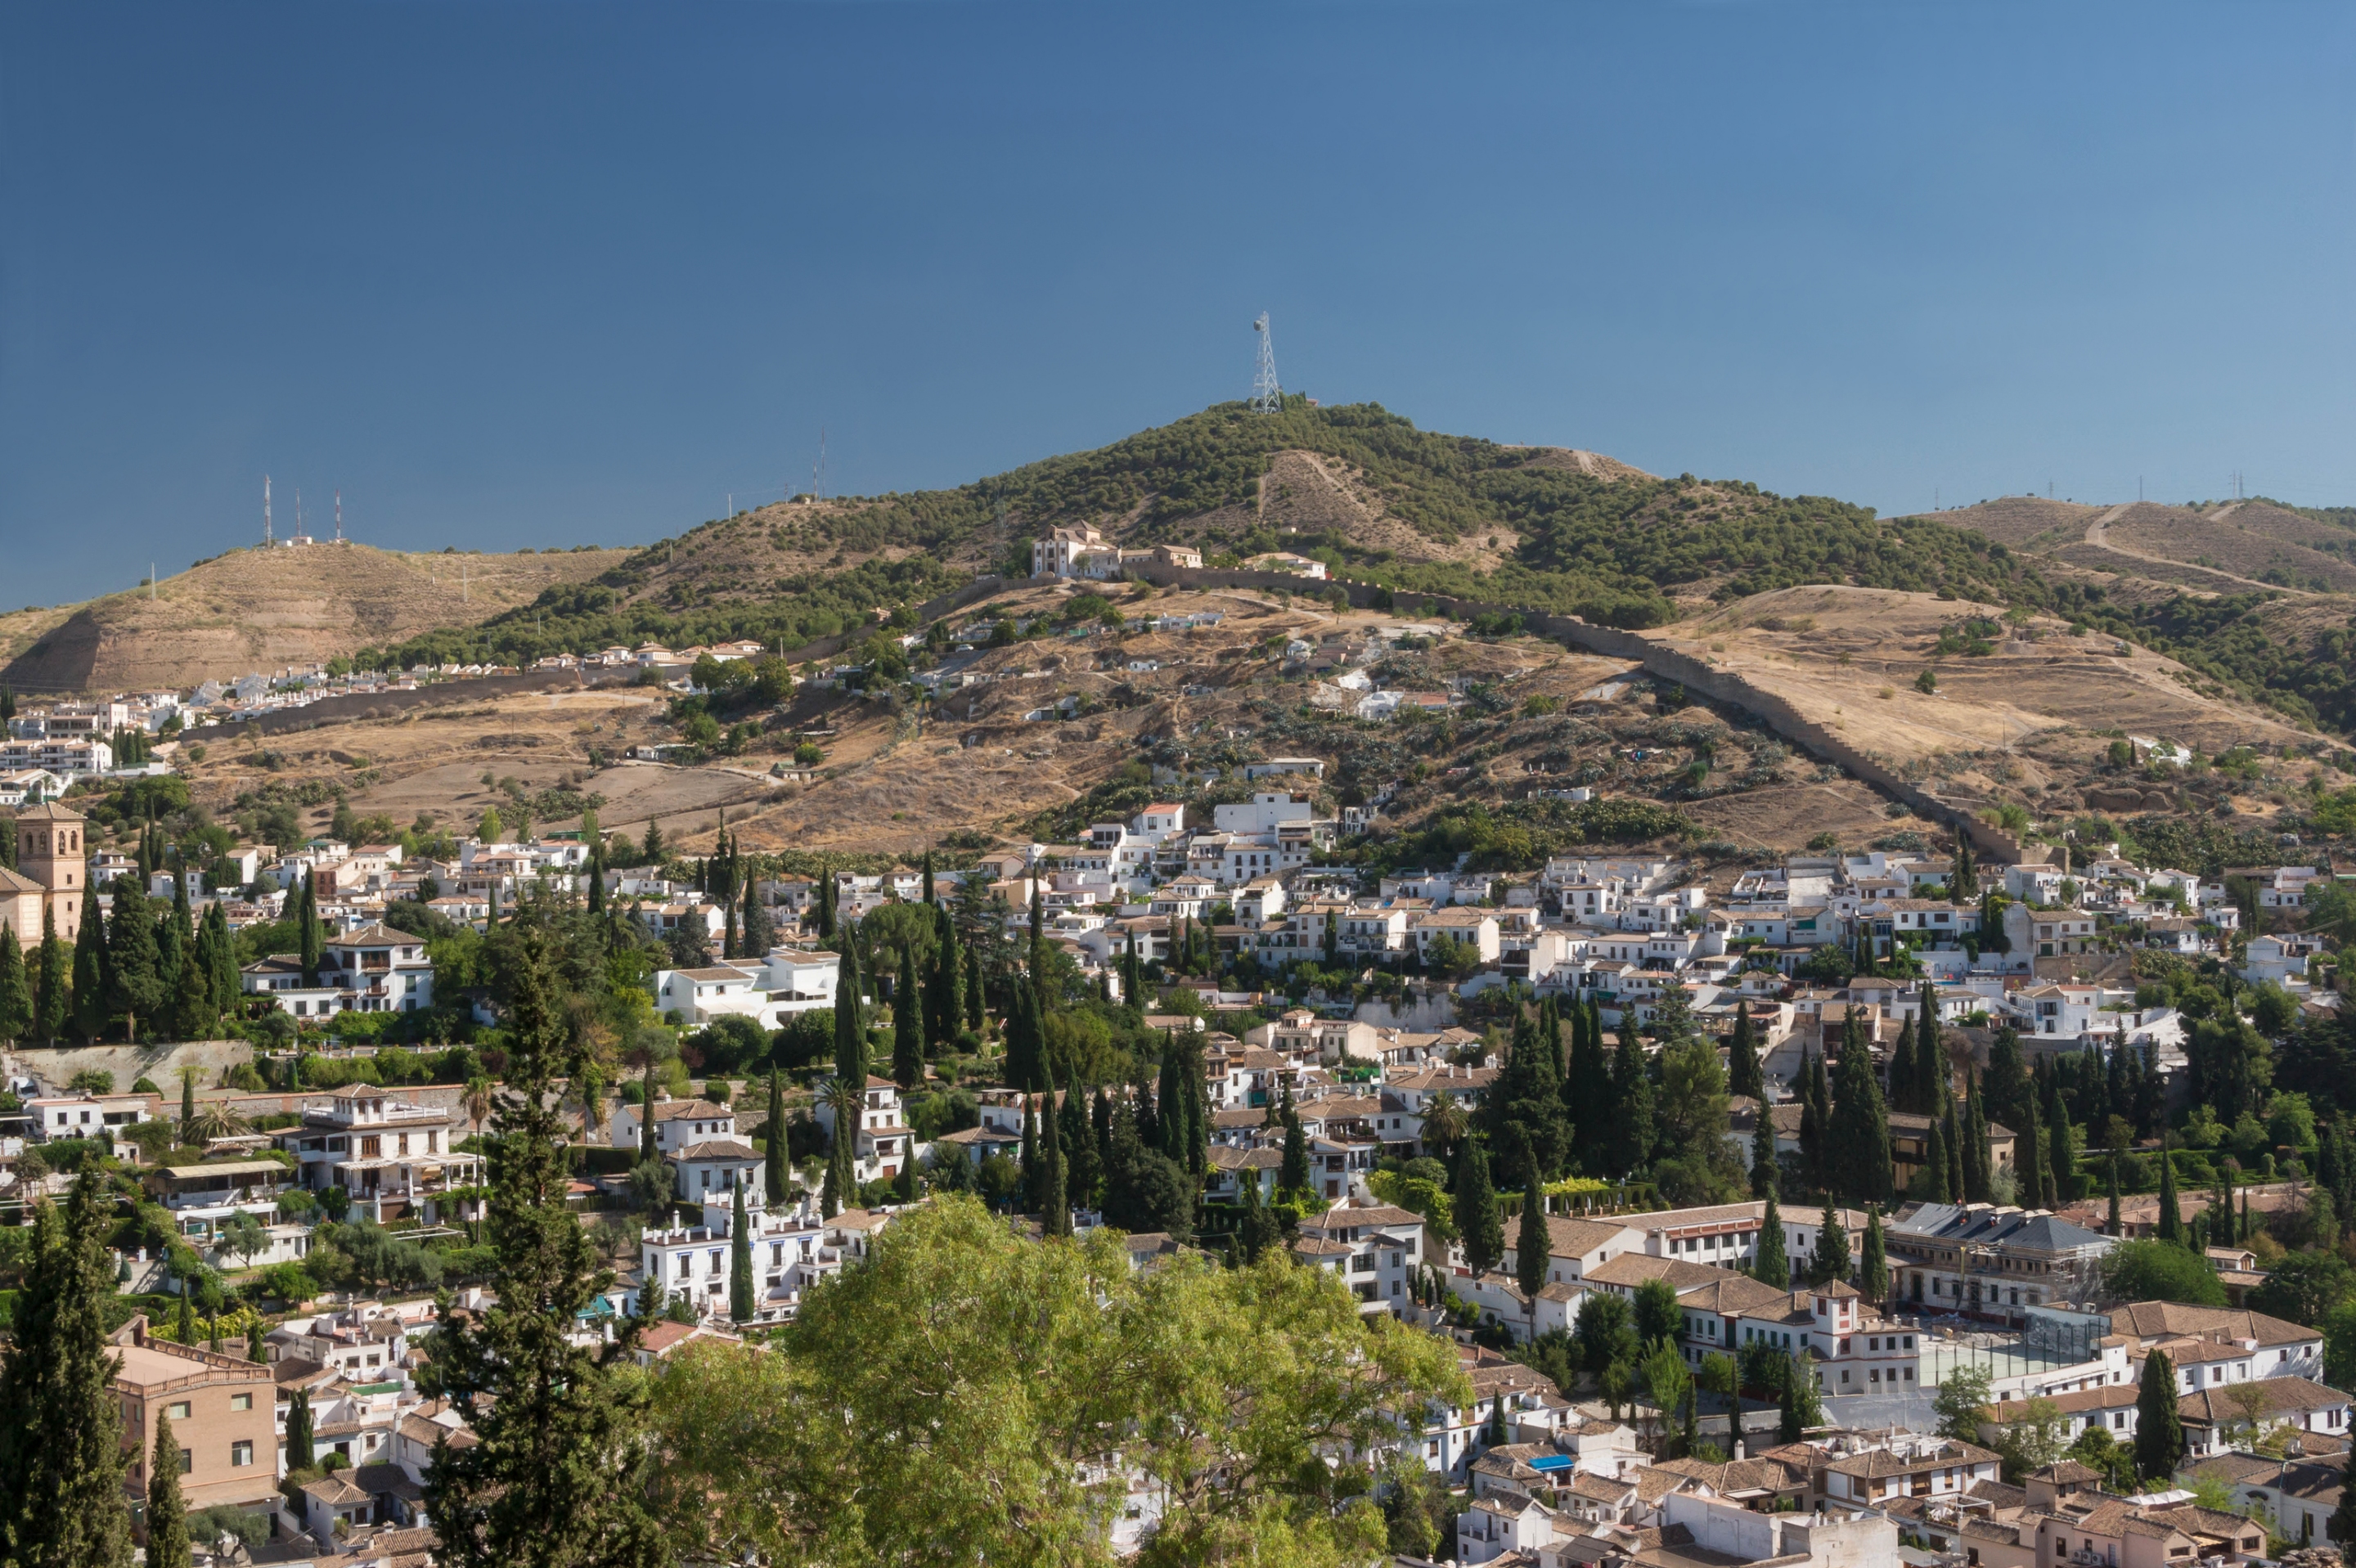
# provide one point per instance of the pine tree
(1934, 1165)
(907, 1025)
(167, 1517)
(1743, 1075)
(134, 980)
(16, 993)
(850, 1026)
(1477, 1209)
(1873, 1273)
(298, 1431)
(53, 996)
(2160, 1424)
(1631, 1099)
(1830, 1261)
(2172, 1218)
(559, 1468)
(740, 1260)
(1768, 1263)
(773, 1154)
(60, 1447)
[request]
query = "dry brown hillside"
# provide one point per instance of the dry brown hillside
(263, 610)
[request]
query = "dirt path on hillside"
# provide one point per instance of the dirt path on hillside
(2098, 538)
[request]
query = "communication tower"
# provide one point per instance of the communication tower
(340, 517)
(266, 537)
(1266, 397)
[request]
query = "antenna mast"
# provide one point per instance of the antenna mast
(1266, 397)
(818, 469)
(340, 517)
(266, 537)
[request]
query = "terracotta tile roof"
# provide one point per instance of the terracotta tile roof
(2159, 1319)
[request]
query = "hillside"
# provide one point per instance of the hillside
(263, 610)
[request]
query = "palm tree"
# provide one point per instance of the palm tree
(1443, 1123)
(213, 1121)
(848, 1101)
(476, 1102)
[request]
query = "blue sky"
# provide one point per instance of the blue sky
(543, 274)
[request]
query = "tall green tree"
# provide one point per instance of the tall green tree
(848, 1103)
(1768, 1263)
(1533, 1249)
(1743, 1075)
(2160, 1427)
(298, 1431)
(53, 993)
(1934, 1175)
(1630, 1140)
(2061, 1178)
(1964, 881)
(1292, 1178)
(16, 990)
(850, 1026)
(1830, 1261)
(1477, 1209)
(1952, 1128)
(2007, 1092)
(134, 978)
(2170, 1227)
(1977, 1179)
(739, 1259)
(312, 933)
(1932, 1089)
(60, 1446)
(1873, 1274)
(945, 985)
(1054, 1184)
(90, 973)
(1765, 1174)
(1860, 1133)
(757, 932)
(773, 1147)
(2111, 1226)
(167, 1517)
(560, 1467)
(907, 1024)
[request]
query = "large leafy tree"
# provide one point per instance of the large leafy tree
(559, 1473)
(1008, 1365)
(61, 1442)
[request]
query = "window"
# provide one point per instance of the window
(241, 1455)
(178, 1411)
(241, 1402)
(187, 1460)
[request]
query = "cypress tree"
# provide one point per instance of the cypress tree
(1083, 1160)
(560, 1467)
(188, 1097)
(1931, 1086)
(1764, 1174)
(758, 932)
(1055, 1199)
(1743, 1075)
(1934, 1165)
(1034, 1175)
(1976, 1176)
(1955, 1136)
(1132, 975)
(1477, 1209)
(2111, 1226)
(61, 1449)
(596, 874)
(168, 1517)
(1860, 1133)
(312, 936)
(650, 1147)
(825, 903)
(728, 928)
(54, 994)
(1631, 1099)
(1873, 1275)
(1293, 1176)
(298, 1431)
(2171, 1218)
(1903, 1094)
(16, 993)
(1770, 1264)
(928, 879)
(944, 999)
(977, 1017)
(2005, 1094)
(850, 1026)
(1830, 1261)
(907, 1025)
(134, 978)
(2341, 1526)
(2159, 1425)
(1964, 886)
(2060, 1180)
(2028, 1165)
(740, 1260)
(1533, 1248)
(1813, 1130)
(773, 1153)
(90, 972)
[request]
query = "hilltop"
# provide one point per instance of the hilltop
(256, 609)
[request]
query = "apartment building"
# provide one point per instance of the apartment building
(223, 1415)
